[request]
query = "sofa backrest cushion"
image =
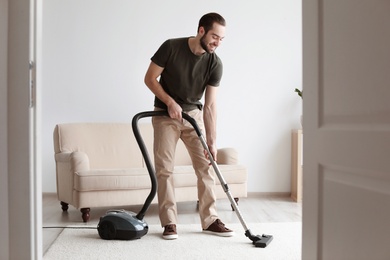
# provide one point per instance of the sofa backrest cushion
(110, 145)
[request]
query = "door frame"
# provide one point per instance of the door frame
(23, 129)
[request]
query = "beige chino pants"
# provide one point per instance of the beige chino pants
(167, 132)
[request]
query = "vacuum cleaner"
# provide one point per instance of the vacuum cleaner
(135, 226)
(126, 225)
(121, 225)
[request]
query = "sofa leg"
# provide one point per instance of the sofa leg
(85, 214)
(64, 206)
(236, 200)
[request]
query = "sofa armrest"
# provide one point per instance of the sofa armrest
(66, 165)
(77, 161)
(227, 156)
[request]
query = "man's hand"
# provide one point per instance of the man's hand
(213, 151)
(174, 111)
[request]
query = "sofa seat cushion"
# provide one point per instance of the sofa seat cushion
(233, 174)
(138, 178)
(112, 179)
(184, 176)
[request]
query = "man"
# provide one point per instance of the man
(180, 72)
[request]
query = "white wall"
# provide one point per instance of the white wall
(95, 54)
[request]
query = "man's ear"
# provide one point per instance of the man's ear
(201, 31)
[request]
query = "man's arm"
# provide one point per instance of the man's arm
(154, 71)
(210, 118)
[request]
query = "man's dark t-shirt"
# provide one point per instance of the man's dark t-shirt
(186, 75)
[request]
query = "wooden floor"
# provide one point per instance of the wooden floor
(256, 208)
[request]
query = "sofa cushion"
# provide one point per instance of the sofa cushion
(104, 149)
(112, 179)
(138, 178)
(184, 176)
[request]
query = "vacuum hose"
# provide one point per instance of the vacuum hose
(145, 153)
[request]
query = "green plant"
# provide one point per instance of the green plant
(300, 92)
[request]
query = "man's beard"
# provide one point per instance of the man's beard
(204, 45)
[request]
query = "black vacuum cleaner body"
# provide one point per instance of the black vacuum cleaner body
(121, 225)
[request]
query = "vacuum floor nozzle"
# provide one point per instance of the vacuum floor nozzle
(263, 241)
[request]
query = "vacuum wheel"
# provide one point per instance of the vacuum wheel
(107, 230)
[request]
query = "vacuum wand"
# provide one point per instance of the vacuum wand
(259, 241)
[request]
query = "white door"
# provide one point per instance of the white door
(346, 110)
(24, 188)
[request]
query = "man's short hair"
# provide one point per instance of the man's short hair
(207, 21)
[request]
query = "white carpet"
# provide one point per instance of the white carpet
(191, 244)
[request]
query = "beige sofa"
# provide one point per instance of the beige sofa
(101, 165)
